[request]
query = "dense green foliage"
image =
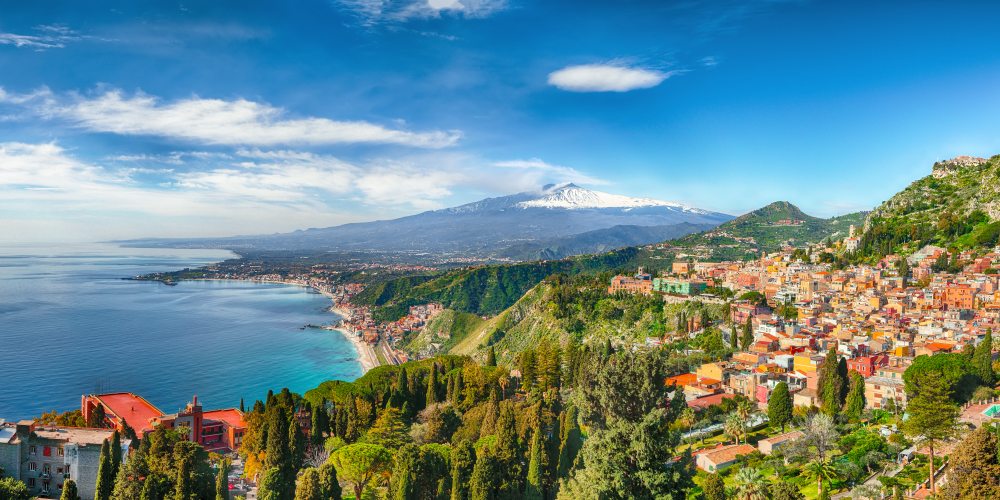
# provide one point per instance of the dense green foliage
(484, 290)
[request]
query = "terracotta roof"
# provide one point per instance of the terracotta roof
(231, 416)
(728, 453)
(136, 411)
(682, 379)
(706, 401)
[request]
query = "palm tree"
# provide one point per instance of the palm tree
(735, 427)
(745, 408)
(821, 470)
(750, 485)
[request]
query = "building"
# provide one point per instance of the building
(719, 458)
(640, 283)
(769, 445)
(216, 430)
(676, 286)
(44, 456)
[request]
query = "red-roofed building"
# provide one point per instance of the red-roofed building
(706, 401)
(216, 430)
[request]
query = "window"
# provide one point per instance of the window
(32, 466)
(32, 449)
(60, 451)
(47, 468)
(31, 482)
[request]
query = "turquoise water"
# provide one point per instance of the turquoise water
(70, 325)
(992, 411)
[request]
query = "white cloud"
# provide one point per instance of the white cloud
(373, 12)
(46, 37)
(542, 172)
(217, 121)
(606, 78)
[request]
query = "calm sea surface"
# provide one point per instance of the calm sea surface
(70, 325)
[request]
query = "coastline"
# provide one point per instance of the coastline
(366, 353)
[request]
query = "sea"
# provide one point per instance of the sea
(71, 325)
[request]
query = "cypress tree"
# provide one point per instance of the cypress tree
(296, 445)
(432, 387)
(116, 453)
(508, 450)
(983, 360)
(328, 481)
(222, 481)
(183, 488)
(491, 357)
(463, 460)
(534, 489)
(486, 478)
(69, 491)
(747, 333)
(105, 480)
(779, 406)
(855, 404)
(830, 385)
(843, 379)
(459, 387)
(278, 454)
(242, 409)
(571, 442)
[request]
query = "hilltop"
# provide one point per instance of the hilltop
(766, 229)
(957, 205)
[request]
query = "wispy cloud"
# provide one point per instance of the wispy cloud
(216, 121)
(607, 77)
(373, 12)
(46, 36)
(547, 172)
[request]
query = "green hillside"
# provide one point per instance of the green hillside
(956, 206)
(484, 290)
(765, 229)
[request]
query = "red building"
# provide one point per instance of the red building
(867, 366)
(216, 430)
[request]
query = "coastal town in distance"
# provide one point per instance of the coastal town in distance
(499, 250)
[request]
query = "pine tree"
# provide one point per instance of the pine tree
(105, 479)
(308, 486)
(983, 360)
(534, 489)
(222, 481)
(855, 404)
(779, 406)
(463, 460)
(389, 430)
(508, 450)
(69, 491)
(491, 357)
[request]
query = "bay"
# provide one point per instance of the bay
(70, 325)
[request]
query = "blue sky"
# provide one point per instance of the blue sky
(209, 118)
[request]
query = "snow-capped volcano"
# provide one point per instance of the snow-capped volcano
(571, 196)
(558, 220)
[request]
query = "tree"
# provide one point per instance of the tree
(271, 485)
(308, 486)
(831, 384)
(534, 489)
(973, 468)
(855, 404)
(747, 337)
(491, 357)
(714, 488)
(222, 481)
(735, 427)
(389, 430)
(983, 360)
(779, 406)
(69, 491)
(507, 451)
(822, 471)
(463, 460)
(361, 463)
(949, 367)
(782, 490)
(932, 417)
(319, 423)
(105, 479)
(630, 412)
(279, 454)
(296, 447)
(13, 489)
(328, 482)
(750, 485)
(486, 478)
(116, 453)
(571, 440)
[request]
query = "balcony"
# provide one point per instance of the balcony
(45, 475)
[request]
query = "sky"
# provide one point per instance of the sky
(158, 119)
